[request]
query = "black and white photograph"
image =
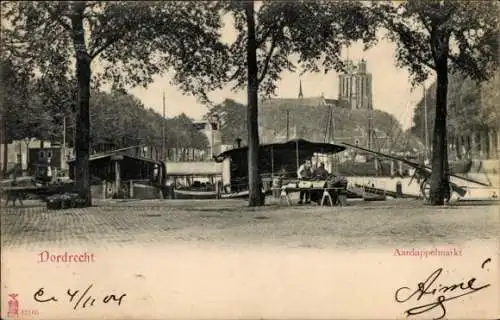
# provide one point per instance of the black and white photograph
(250, 159)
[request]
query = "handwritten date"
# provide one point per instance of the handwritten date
(430, 287)
(79, 299)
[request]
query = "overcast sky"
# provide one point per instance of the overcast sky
(391, 86)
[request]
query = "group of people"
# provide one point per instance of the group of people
(306, 172)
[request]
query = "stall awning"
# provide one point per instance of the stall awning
(301, 144)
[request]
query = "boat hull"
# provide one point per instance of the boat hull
(191, 194)
(241, 194)
(235, 195)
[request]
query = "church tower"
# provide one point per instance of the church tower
(301, 95)
(355, 86)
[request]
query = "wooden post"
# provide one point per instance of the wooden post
(131, 189)
(217, 191)
(163, 120)
(117, 176)
(159, 190)
(332, 164)
(104, 187)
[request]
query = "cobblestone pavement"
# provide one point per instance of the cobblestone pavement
(360, 224)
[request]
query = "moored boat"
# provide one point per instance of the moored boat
(194, 194)
(240, 194)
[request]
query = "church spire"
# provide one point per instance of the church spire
(301, 95)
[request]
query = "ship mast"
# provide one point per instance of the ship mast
(163, 130)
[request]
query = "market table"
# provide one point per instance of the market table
(321, 185)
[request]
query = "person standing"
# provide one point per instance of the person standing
(320, 172)
(305, 173)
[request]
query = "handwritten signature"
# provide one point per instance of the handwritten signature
(76, 297)
(428, 287)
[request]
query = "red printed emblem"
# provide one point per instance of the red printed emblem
(13, 310)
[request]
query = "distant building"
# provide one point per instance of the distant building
(355, 86)
(55, 156)
(317, 119)
(211, 130)
(17, 152)
(349, 118)
(125, 172)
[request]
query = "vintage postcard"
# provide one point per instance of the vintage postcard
(250, 160)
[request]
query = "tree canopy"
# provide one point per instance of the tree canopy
(22, 108)
(465, 32)
(133, 41)
(121, 120)
(472, 106)
(305, 36)
(34, 107)
(441, 36)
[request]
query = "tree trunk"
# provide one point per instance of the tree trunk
(254, 197)
(5, 147)
(468, 147)
(439, 176)
(83, 74)
(458, 147)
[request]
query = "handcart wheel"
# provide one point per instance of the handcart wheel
(425, 190)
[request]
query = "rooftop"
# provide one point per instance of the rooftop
(311, 101)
